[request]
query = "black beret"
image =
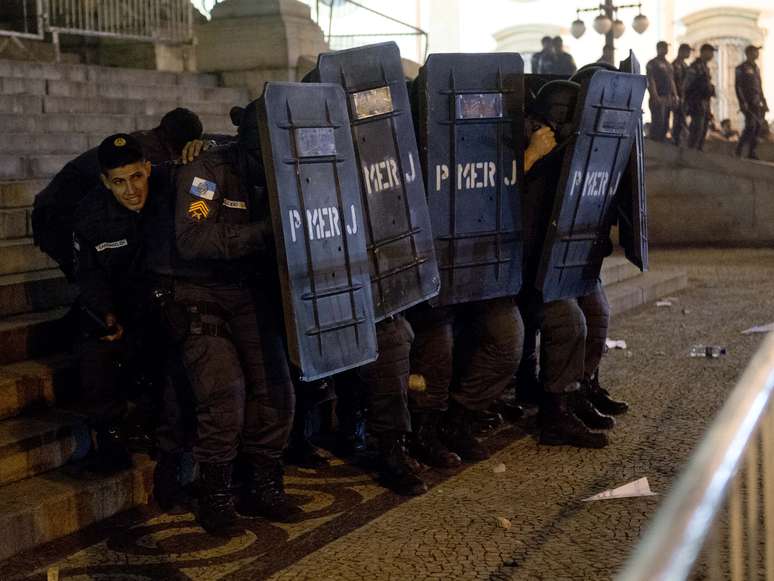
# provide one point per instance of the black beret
(119, 150)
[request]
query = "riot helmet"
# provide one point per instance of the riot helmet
(584, 74)
(248, 143)
(555, 105)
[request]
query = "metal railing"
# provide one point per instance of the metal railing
(331, 15)
(160, 21)
(718, 520)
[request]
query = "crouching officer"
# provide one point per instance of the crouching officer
(111, 226)
(567, 416)
(178, 136)
(227, 307)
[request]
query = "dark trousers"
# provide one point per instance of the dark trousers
(573, 340)
(385, 381)
(659, 120)
(678, 124)
(697, 132)
(102, 387)
(238, 371)
(481, 342)
(753, 124)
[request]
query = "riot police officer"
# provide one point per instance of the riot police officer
(697, 92)
(752, 103)
(543, 61)
(563, 63)
(663, 94)
(226, 308)
(112, 225)
(679, 70)
(573, 331)
(178, 135)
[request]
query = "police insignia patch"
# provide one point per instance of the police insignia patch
(204, 189)
(198, 210)
(119, 142)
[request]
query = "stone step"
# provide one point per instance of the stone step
(617, 269)
(121, 106)
(100, 74)
(34, 291)
(103, 124)
(66, 500)
(19, 194)
(645, 288)
(39, 442)
(30, 335)
(51, 142)
(231, 96)
(15, 223)
(36, 384)
(21, 256)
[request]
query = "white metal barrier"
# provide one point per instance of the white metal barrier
(159, 21)
(718, 520)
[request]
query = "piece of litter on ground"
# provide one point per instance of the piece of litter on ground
(52, 574)
(664, 303)
(759, 329)
(686, 311)
(633, 489)
(615, 343)
(499, 469)
(503, 523)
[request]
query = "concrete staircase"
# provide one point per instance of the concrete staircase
(49, 114)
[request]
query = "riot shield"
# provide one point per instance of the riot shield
(471, 132)
(316, 212)
(577, 238)
(402, 262)
(632, 196)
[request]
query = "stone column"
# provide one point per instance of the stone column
(250, 42)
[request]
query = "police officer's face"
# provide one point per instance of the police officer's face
(684, 53)
(753, 54)
(707, 55)
(129, 184)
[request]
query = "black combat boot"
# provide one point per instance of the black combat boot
(561, 427)
(458, 434)
(167, 486)
(588, 414)
(112, 453)
(426, 445)
(216, 502)
(397, 470)
(601, 399)
(264, 492)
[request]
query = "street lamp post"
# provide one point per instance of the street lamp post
(605, 24)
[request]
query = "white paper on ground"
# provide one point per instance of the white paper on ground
(634, 489)
(759, 329)
(614, 344)
(664, 303)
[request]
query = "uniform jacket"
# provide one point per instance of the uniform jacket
(221, 223)
(110, 243)
(660, 77)
(697, 87)
(679, 69)
(749, 89)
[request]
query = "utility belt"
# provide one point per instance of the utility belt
(182, 319)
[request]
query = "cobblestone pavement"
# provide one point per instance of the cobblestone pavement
(356, 530)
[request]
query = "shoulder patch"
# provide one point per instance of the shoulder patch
(198, 210)
(237, 205)
(111, 245)
(204, 189)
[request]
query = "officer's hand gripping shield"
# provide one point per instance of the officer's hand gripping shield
(577, 239)
(632, 196)
(317, 218)
(402, 261)
(471, 133)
